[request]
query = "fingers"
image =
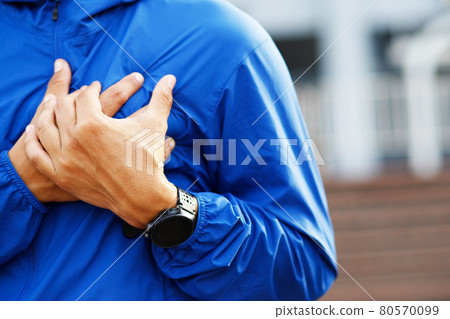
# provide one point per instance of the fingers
(46, 130)
(118, 94)
(65, 113)
(161, 101)
(87, 104)
(36, 153)
(60, 82)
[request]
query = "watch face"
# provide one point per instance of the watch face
(172, 231)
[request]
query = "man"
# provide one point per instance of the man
(260, 226)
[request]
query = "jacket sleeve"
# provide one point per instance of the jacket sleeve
(20, 212)
(264, 233)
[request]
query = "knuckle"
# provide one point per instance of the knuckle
(165, 96)
(56, 82)
(80, 96)
(73, 143)
(41, 128)
(34, 159)
(119, 96)
(67, 167)
(87, 128)
(64, 164)
(47, 107)
(90, 125)
(39, 124)
(83, 94)
(46, 113)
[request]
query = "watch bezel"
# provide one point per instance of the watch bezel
(172, 215)
(184, 211)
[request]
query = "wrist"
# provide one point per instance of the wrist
(174, 227)
(168, 198)
(32, 179)
(42, 188)
(139, 211)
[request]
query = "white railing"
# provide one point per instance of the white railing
(391, 117)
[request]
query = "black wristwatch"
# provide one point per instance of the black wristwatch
(173, 226)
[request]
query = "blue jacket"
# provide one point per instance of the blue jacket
(250, 243)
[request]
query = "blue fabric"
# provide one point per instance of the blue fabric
(245, 246)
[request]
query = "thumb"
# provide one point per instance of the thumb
(59, 84)
(161, 101)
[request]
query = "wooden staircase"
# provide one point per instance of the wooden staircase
(393, 238)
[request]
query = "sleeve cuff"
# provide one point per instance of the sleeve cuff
(199, 225)
(19, 184)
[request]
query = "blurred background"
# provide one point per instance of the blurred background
(377, 105)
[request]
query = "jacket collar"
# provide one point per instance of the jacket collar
(91, 6)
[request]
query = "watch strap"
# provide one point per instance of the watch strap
(186, 201)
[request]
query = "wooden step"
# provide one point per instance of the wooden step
(404, 262)
(406, 215)
(401, 288)
(392, 236)
(393, 239)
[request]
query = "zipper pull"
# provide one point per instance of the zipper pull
(55, 11)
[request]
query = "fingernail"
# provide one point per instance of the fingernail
(171, 144)
(58, 65)
(171, 81)
(46, 98)
(84, 87)
(139, 77)
(28, 129)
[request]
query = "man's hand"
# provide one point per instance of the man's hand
(112, 100)
(84, 152)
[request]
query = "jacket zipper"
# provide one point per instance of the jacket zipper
(56, 17)
(55, 13)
